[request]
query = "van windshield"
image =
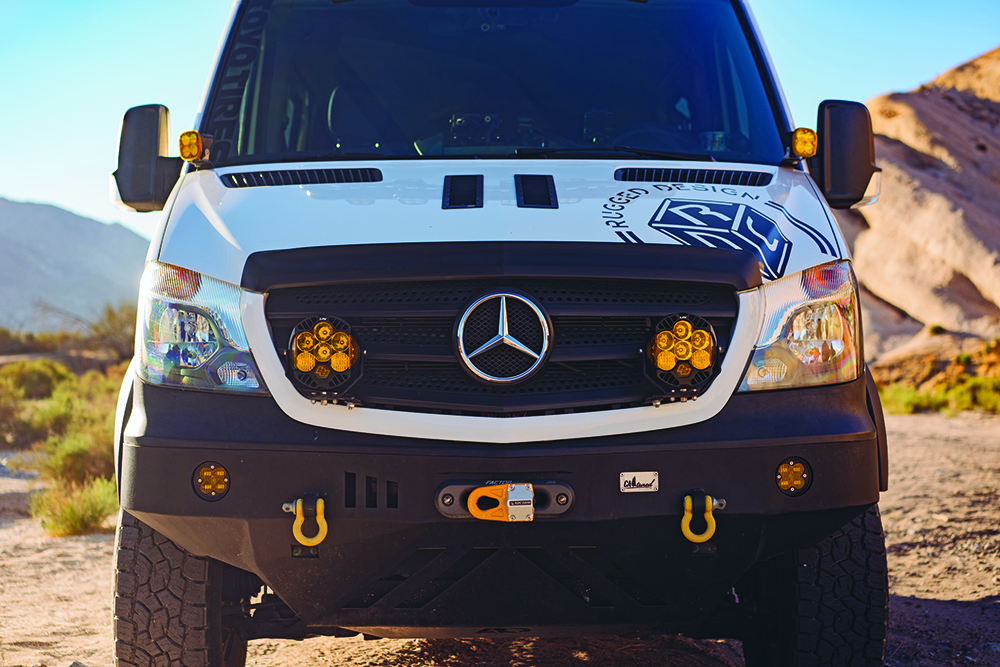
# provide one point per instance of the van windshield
(322, 79)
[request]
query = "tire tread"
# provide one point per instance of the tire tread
(164, 598)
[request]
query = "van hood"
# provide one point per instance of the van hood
(212, 228)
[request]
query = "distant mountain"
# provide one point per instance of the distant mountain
(931, 245)
(67, 261)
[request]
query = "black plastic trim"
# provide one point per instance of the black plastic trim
(256, 179)
(535, 191)
(325, 265)
(462, 192)
(875, 411)
(781, 116)
(752, 179)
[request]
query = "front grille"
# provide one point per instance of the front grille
(406, 329)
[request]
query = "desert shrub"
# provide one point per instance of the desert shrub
(19, 342)
(936, 329)
(11, 406)
(78, 453)
(963, 393)
(75, 509)
(54, 416)
(81, 456)
(963, 359)
(114, 330)
(901, 399)
(36, 378)
(983, 393)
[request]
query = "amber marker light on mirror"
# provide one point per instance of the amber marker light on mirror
(804, 142)
(191, 146)
(211, 481)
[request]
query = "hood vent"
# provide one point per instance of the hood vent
(535, 191)
(462, 192)
(256, 179)
(709, 176)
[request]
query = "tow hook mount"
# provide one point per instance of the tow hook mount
(710, 504)
(309, 506)
(510, 501)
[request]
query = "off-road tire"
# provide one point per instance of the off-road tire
(826, 606)
(168, 604)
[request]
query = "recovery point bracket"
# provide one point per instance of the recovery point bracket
(547, 498)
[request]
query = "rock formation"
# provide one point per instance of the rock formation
(932, 243)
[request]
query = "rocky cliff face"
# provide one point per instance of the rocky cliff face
(931, 245)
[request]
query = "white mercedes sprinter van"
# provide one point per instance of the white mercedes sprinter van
(479, 318)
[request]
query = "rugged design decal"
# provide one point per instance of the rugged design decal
(824, 244)
(732, 226)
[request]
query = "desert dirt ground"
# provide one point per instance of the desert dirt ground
(942, 521)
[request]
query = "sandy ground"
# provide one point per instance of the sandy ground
(942, 519)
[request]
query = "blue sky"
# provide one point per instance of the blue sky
(70, 69)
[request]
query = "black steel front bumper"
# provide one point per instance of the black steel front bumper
(392, 565)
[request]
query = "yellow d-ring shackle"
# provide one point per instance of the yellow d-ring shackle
(300, 518)
(709, 520)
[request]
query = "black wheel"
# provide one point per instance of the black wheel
(826, 606)
(169, 604)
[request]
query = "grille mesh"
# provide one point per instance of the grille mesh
(448, 378)
(543, 291)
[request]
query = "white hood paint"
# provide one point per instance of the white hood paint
(212, 229)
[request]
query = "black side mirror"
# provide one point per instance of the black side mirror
(844, 165)
(145, 175)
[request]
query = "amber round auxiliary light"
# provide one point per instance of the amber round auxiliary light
(682, 329)
(323, 352)
(683, 352)
(666, 360)
(323, 349)
(191, 146)
(211, 481)
(305, 341)
(305, 362)
(701, 359)
(793, 477)
(323, 331)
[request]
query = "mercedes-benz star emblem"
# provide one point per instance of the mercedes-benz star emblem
(503, 337)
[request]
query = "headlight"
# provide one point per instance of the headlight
(189, 333)
(810, 332)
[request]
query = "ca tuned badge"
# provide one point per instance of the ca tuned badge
(636, 482)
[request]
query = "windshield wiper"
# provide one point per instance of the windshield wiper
(341, 156)
(585, 150)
